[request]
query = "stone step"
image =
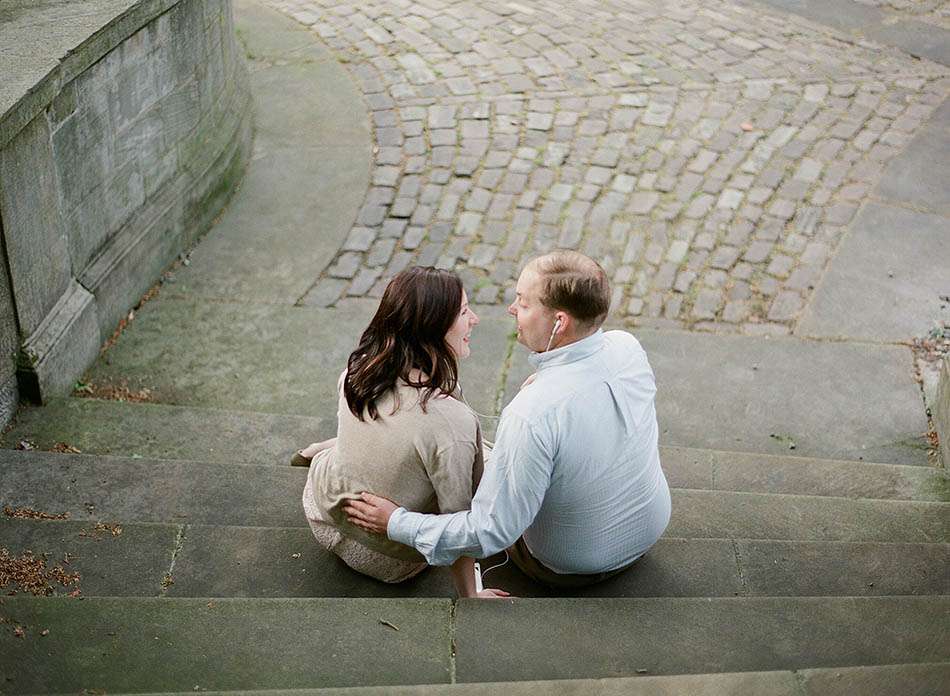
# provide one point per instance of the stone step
(830, 400)
(906, 680)
(264, 357)
(172, 644)
(687, 467)
(130, 490)
(158, 431)
(731, 393)
(221, 561)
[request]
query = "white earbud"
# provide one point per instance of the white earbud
(557, 325)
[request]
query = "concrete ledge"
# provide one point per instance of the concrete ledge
(941, 412)
(137, 116)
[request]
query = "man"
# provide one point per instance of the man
(573, 488)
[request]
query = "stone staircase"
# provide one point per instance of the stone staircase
(197, 572)
(808, 551)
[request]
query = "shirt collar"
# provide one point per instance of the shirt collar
(572, 352)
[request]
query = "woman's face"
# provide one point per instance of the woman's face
(458, 334)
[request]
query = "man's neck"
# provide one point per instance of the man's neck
(574, 338)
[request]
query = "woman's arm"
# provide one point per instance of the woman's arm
(463, 574)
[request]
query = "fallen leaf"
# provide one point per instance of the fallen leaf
(746, 126)
(44, 632)
(384, 622)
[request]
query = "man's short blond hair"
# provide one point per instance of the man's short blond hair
(573, 283)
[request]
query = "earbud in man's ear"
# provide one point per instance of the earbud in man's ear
(557, 325)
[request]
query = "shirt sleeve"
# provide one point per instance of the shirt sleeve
(512, 489)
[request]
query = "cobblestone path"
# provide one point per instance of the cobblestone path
(710, 156)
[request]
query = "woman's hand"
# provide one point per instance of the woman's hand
(370, 513)
(492, 593)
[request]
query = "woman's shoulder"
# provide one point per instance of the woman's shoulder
(451, 416)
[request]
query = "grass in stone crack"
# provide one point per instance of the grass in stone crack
(151, 293)
(29, 573)
(26, 513)
(100, 529)
(934, 346)
(113, 392)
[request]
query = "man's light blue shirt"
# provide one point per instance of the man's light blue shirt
(575, 467)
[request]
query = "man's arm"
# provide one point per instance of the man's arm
(506, 502)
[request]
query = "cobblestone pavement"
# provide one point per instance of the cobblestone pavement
(710, 156)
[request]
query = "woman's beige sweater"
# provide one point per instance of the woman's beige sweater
(427, 461)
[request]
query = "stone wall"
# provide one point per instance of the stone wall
(111, 165)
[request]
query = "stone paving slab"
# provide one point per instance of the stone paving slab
(916, 176)
(230, 494)
(307, 176)
(714, 514)
(132, 562)
(165, 644)
(888, 280)
(737, 393)
(223, 561)
(740, 471)
(565, 639)
(266, 358)
(911, 680)
(917, 38)
(157, 431)
(280, 562)
(907, 680)
(129, 490)
(856, 569)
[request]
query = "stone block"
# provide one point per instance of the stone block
(33, 225)
(66, 342)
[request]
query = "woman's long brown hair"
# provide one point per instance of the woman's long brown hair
(408, 331)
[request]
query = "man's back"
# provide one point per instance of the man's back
(591, 410)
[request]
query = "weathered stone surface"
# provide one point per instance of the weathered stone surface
(127, 644)
(887, 280)
(139, 136)
(9, 346)
(168, 432)
(781, 392)
(671, 636)
(61, 347)
(738, 471)
(35, 241)
(113, 559)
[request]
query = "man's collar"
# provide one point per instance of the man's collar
(572, 352)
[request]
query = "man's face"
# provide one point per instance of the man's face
(534, 320)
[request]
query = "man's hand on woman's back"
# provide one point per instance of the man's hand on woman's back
(371, 512)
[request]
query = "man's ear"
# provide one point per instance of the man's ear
(566, 322)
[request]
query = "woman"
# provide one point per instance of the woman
(403, 433)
